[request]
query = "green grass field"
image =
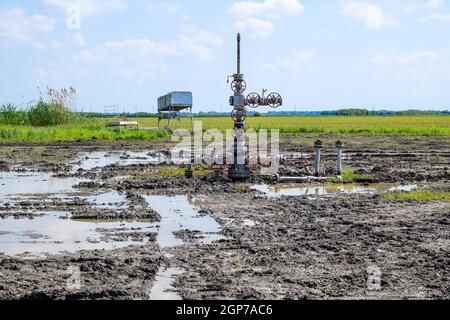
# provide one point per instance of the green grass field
(417, 196)
(72, 132)
(375, 125)
(395, 125)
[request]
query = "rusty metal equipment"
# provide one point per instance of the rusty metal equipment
(239, 170)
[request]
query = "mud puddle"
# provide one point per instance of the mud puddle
(180, 223)
(93, 160)
(20, 183)
(55, 233)
(317, 190)
(178, 214)
(110, 199)
(163, 286)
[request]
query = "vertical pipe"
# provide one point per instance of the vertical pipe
(317, 147)
(188, 172)
(235, 151)
(339, 147)
(239, 53)
(170, 119)
(192, 120)
(159, 119)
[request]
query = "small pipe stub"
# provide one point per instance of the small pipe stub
(188, 173)
(340, 144)
(318, 144)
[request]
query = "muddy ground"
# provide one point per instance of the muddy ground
(287, 247)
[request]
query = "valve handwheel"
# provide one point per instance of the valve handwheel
(253, 100)
(274, 100)
(239, 114)
(238, 86)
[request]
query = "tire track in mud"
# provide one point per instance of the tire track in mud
(180, 223)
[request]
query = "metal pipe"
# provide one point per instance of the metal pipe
(239, 53)
(301, 179)
(188, 172)
(317, 147)
(339, 147)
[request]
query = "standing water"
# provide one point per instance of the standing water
(55, 233)
(177, 214)
(15, 183)
(325, 190)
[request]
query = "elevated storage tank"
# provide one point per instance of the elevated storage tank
(175, 101)
(171, 105)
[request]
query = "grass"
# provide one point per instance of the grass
(199, 170)
(417, 196)
(349, 176)
(37, 153)
(72, 132)
(51, 119)
(365, 125)
(90, 128)
(53, 109)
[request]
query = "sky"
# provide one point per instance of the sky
(319, 55)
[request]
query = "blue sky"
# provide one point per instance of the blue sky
(319, 55)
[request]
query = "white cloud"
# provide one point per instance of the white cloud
(14, 24)
(55, 44)
(78, 39)
(372, 15)
(168, 7)
(139, 72)
(48, 73)
(186, 17)
(429, 5)
(70, 39)
(433, 4)
(39, 46)
(257, 16)
(127, 59)
(441, 17)
(200, 43)
(268, 8)
(88, 7)
(256, 26)
(127, 50)
(293, 63)
(142, 46)
(405, 58)
(163, 6)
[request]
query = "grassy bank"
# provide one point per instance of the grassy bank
(367, 125)
(349, 176)
(72, 133)
(88, 128)
(51, 119)
(417, 196)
